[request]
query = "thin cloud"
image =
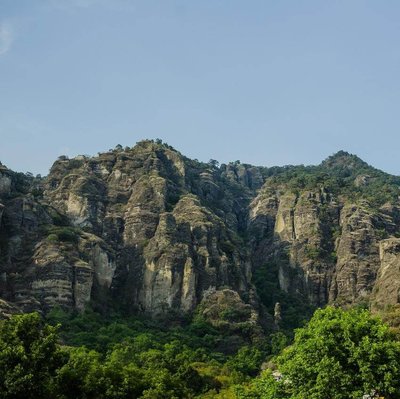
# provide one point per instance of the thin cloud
(6, 37)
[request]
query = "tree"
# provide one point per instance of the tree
(213, 163)
(340, 355)
(82, 376)
(29, 357)
(263, 387)
(246, 361)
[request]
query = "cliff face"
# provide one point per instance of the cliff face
(154, 231)
(332, 249)
(387, 288)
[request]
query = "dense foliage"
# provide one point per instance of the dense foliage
(338, 355)
(96, 357)
(29, 357)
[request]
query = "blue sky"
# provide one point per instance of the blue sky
(266, 82)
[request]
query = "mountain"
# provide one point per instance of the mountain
(147, 230)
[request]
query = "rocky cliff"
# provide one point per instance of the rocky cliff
(152, 231)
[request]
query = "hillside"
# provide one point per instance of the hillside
(148, 231)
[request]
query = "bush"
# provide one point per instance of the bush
(52, 237)
(63, 234)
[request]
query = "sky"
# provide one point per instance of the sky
(261, 81)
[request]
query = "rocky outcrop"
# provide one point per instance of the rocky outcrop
(1, 212)
(246, 175)
(330, 249)
(296, 228)
(386, 291)
(189, 254)
(225, 307)
(5, 181)
(357, 252)
(153, 231)
(65, 273)
(162, 231)
(60, 277)
(7, 309)
(43, 261)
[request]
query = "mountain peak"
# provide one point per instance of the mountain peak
(344, 159)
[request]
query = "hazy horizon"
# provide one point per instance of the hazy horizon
(268, 83)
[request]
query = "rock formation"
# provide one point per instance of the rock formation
(152, 231)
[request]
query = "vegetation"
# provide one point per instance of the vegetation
(62, 233)
(146, 359)
(296, 309)
(338, 355)
(342, 174)
(29, 357)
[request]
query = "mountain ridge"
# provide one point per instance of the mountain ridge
(156, 232)
(339, 154)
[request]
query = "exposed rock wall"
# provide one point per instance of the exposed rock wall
(357, 256)
(298, 227)
(154, 231)
(387, 288)
(150, 205)
(332, 249)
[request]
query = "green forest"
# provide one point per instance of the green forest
(338, 354)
